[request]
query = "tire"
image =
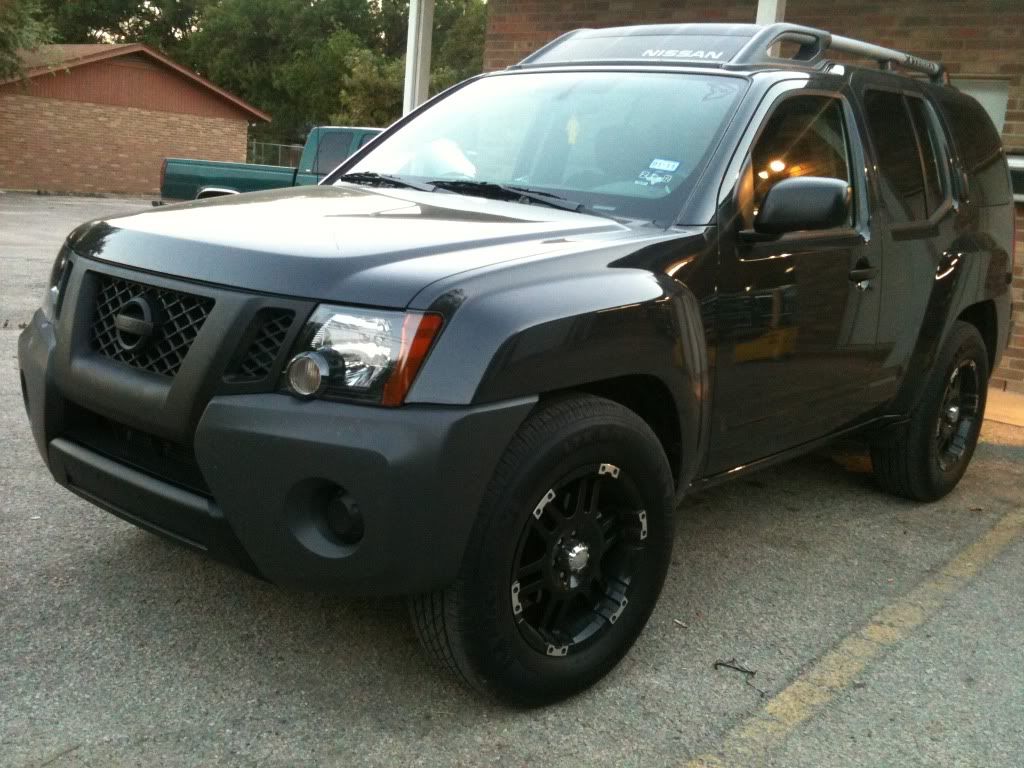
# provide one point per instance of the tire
(563, 512)
(925, 458)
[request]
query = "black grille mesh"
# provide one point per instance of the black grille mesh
(272, 330)
(181, 314)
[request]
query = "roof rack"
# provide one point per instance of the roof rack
(728, 46)
(814, 43)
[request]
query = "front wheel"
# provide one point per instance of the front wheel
(566, 560)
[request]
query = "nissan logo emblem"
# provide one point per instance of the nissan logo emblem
(136, 324)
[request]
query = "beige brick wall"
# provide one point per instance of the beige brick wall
(1010, 375)
(69, 146)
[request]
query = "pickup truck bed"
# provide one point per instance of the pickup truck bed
(325, 148)
(185, 179)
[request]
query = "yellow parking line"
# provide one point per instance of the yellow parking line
(838, 668)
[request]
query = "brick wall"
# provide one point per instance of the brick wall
(1010, 375)
(971, 37)
(70, 146)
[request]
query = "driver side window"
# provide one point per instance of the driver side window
(804, 136)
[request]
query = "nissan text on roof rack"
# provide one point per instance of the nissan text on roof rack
(483, 360)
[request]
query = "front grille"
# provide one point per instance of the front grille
(178, 320)
(172, 462)
(272, 326)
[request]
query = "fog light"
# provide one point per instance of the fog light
(307, 374)
(344, 518)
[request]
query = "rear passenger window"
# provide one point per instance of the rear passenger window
(980, 148)
(934, 176)
(805, 136)
(900, 175)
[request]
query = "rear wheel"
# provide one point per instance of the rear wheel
(925, 459)
(566, 560)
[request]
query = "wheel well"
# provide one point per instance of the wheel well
(207, 192)
(649, 399)
(983, 317)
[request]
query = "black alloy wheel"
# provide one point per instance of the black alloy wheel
(575, 560)
(958, 414)
(925, 457)
(566, 558)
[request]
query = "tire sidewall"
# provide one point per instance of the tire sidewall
(964, 343)
(496, 646)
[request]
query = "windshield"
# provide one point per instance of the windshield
(629, 144)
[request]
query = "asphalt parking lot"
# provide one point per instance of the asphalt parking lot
(882, 633)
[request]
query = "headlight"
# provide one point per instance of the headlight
(356, 354)
(56, 284)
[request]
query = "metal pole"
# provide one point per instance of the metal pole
(771, 11)
(417, 54)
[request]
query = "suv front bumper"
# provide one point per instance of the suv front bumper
(417, 475)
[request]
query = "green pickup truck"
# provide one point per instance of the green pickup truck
(326, 146)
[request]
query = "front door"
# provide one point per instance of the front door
(797, 315)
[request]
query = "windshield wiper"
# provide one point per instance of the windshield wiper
(384, 180)
(507, 192)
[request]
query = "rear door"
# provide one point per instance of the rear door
(797, 314)
(911, 178)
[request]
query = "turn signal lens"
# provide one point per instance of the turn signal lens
(418, 332)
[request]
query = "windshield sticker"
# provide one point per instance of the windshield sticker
(572, 130)
(669, 166)
(650, 178)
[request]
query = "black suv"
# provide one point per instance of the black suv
(482, 362)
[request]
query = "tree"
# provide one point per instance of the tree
(461, 48)
(287, 57)
(163, 24)
(303, 61)
(21, 29)
(372, 89)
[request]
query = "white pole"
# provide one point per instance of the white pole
(417, 54)
(771, 11)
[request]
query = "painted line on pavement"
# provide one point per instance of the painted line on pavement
(748, 742)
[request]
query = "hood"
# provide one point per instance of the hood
(345, 244)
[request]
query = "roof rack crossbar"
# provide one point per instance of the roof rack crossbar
(815, 43)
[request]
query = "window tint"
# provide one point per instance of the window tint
(805, 136)
(367, 138)
(934, 177)
(334, 147)
(979, 147)
(899, 164)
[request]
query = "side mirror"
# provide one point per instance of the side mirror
(803, 202)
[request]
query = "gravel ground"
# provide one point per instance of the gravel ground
(117, 648)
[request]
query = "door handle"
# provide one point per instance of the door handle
(863, 274)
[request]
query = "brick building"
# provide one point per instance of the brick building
(101, 118)
(980, 42)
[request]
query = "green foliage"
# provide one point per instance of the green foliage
(305, 62)
(163, 24)
(22, 28)
(371, 92)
